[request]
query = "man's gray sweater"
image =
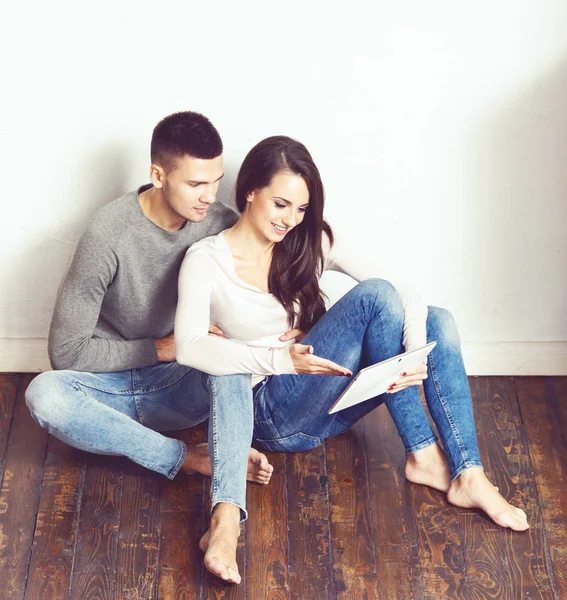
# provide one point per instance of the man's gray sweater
(120, 290)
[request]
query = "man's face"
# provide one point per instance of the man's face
(192, 186)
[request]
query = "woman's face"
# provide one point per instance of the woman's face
(278, 208)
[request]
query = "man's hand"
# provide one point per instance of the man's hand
(306, 363)
(165, 347)
(410, 377)
(291, 334)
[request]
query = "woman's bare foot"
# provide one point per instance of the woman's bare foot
(220, 541)
(429, 467)
(198, 461)
(472, 489)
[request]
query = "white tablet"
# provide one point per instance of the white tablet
(376, 379)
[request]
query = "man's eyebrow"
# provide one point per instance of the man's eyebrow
(203, 182)
(288, 202)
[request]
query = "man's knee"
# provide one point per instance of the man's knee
(46, 393)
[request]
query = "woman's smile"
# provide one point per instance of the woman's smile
(280, 229)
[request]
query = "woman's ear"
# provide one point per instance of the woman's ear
(250, 196)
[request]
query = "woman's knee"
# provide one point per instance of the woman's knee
(381, 295)
(441, 326)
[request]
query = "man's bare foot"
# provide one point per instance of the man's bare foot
(220, 541)
(429, 467)
(198, 461)
(472, 489)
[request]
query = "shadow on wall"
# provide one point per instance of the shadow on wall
(98, 178)
(36, 272)
(515, 201)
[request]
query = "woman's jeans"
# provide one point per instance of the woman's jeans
(122, 413)
(364, 327)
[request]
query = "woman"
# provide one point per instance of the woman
(259, 279)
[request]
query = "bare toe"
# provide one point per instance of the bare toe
(259, 468)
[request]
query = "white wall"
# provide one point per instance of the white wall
(440, 129)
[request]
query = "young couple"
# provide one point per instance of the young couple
(251, 347)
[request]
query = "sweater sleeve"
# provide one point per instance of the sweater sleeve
(344, 259)
(71, 344)
(215, 355)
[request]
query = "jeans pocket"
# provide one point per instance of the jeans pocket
(298, 442)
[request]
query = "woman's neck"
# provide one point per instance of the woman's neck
(246, 241)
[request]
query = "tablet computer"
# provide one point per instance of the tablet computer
(376, 379)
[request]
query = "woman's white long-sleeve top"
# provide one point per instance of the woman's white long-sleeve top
(211, 292)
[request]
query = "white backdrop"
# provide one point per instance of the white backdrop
(440, 130)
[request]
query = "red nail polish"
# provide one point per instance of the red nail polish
(404, 374)
(393, 385)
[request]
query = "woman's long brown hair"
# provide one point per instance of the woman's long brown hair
(297, 261)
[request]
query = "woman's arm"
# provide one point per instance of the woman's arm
(214, 355)
(342, 258)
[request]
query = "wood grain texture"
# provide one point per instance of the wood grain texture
(139, 535)
(108, 529)
(543, 403)
(310, 556)
(503, 564)
(441, 557)
(57, 522)
(267, 559)
(182, 525)
(396, 538)
(354, 559)
(8, 393)
(96, 549)
(19, 496)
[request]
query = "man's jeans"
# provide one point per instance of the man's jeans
(121, 414)
(364, 327)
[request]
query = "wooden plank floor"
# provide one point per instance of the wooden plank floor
(339, 522)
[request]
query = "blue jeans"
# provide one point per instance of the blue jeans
(122, 413)
(364, 327)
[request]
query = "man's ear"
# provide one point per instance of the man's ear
(157, 175)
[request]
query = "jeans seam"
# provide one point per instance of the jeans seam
(139, 409)
(464, 455)
(180, 462)
(229, 500)
(133, 390)
(104, 452)
(214, 480)
(429, 442)
(464, 466)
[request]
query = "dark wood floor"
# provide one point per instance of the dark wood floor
(337, 522)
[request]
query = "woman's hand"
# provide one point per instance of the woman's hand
(306, 363)
(216, 332)
(410, 377)
(291, 334)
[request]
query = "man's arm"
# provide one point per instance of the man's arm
(71, 344)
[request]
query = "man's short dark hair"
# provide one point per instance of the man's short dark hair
(184, 134)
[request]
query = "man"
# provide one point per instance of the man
(116, 383)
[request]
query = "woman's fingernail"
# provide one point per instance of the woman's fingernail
(404, 374)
